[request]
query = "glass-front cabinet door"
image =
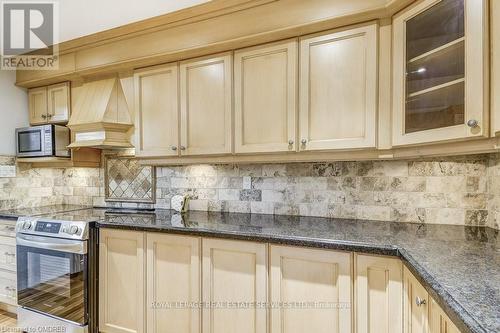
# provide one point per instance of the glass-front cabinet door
(440, 72)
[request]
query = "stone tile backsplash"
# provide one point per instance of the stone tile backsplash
(452, 190)
(45, 186)
(447, 191)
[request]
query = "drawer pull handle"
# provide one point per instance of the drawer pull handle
(419, 301)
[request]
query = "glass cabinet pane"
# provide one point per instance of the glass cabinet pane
(437, 26)
(441, 67)
(435, 109)
(435, 67)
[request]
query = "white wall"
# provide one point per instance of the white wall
(83, 17)
(13, 111)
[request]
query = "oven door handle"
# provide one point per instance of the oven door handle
(51, 243)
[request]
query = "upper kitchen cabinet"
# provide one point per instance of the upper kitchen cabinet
(157, 111)
(50, 104)
(440, 72)
(265, 98)
(37, 104)
(59, 103)
(206, 105)
(338, 89)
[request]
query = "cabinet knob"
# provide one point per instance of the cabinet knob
(44, 116)
(183, 148)
(419, 301)
(290, 142)
(49, 116)
(304, 141)
(174, 147)
(472, 123)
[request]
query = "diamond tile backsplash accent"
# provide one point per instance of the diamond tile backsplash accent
(128, 181)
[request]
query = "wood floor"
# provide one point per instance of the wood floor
(8, 322)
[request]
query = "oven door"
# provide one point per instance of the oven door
(52, 277)
(34, 141)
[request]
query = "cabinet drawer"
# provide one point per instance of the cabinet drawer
(8, 287)
(8, 228)
(8, 255)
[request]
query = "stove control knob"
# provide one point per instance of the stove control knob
(27, 225)
(73, 230)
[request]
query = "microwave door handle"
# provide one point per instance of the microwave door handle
(46, 243)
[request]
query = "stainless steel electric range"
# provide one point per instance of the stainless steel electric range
(57, 272)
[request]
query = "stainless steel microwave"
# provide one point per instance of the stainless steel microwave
(43, 141)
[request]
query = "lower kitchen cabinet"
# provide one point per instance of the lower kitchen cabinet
(173, 283)
(416, 300)
(8, 287)
(379, 294)
(439, 321)
(8, 275)
(156, 283)
(421, 313)
(121, 281)
(234, 280)
(314, 288)
(8, 253)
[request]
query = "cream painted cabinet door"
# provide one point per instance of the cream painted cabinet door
(415, 305)
(313, 288)
(121, 281)
(265, 93)
(157, 111)
(173, 283)
(59, 103)
(338, 89)
(379, 294)
(234, 280)
(439, 321)
(37, 105)
(495, 68)
(206, 105)
(440, 74)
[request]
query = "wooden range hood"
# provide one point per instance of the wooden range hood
(101, 117)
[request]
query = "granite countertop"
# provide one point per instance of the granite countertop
(458, 265)
(36, 211)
